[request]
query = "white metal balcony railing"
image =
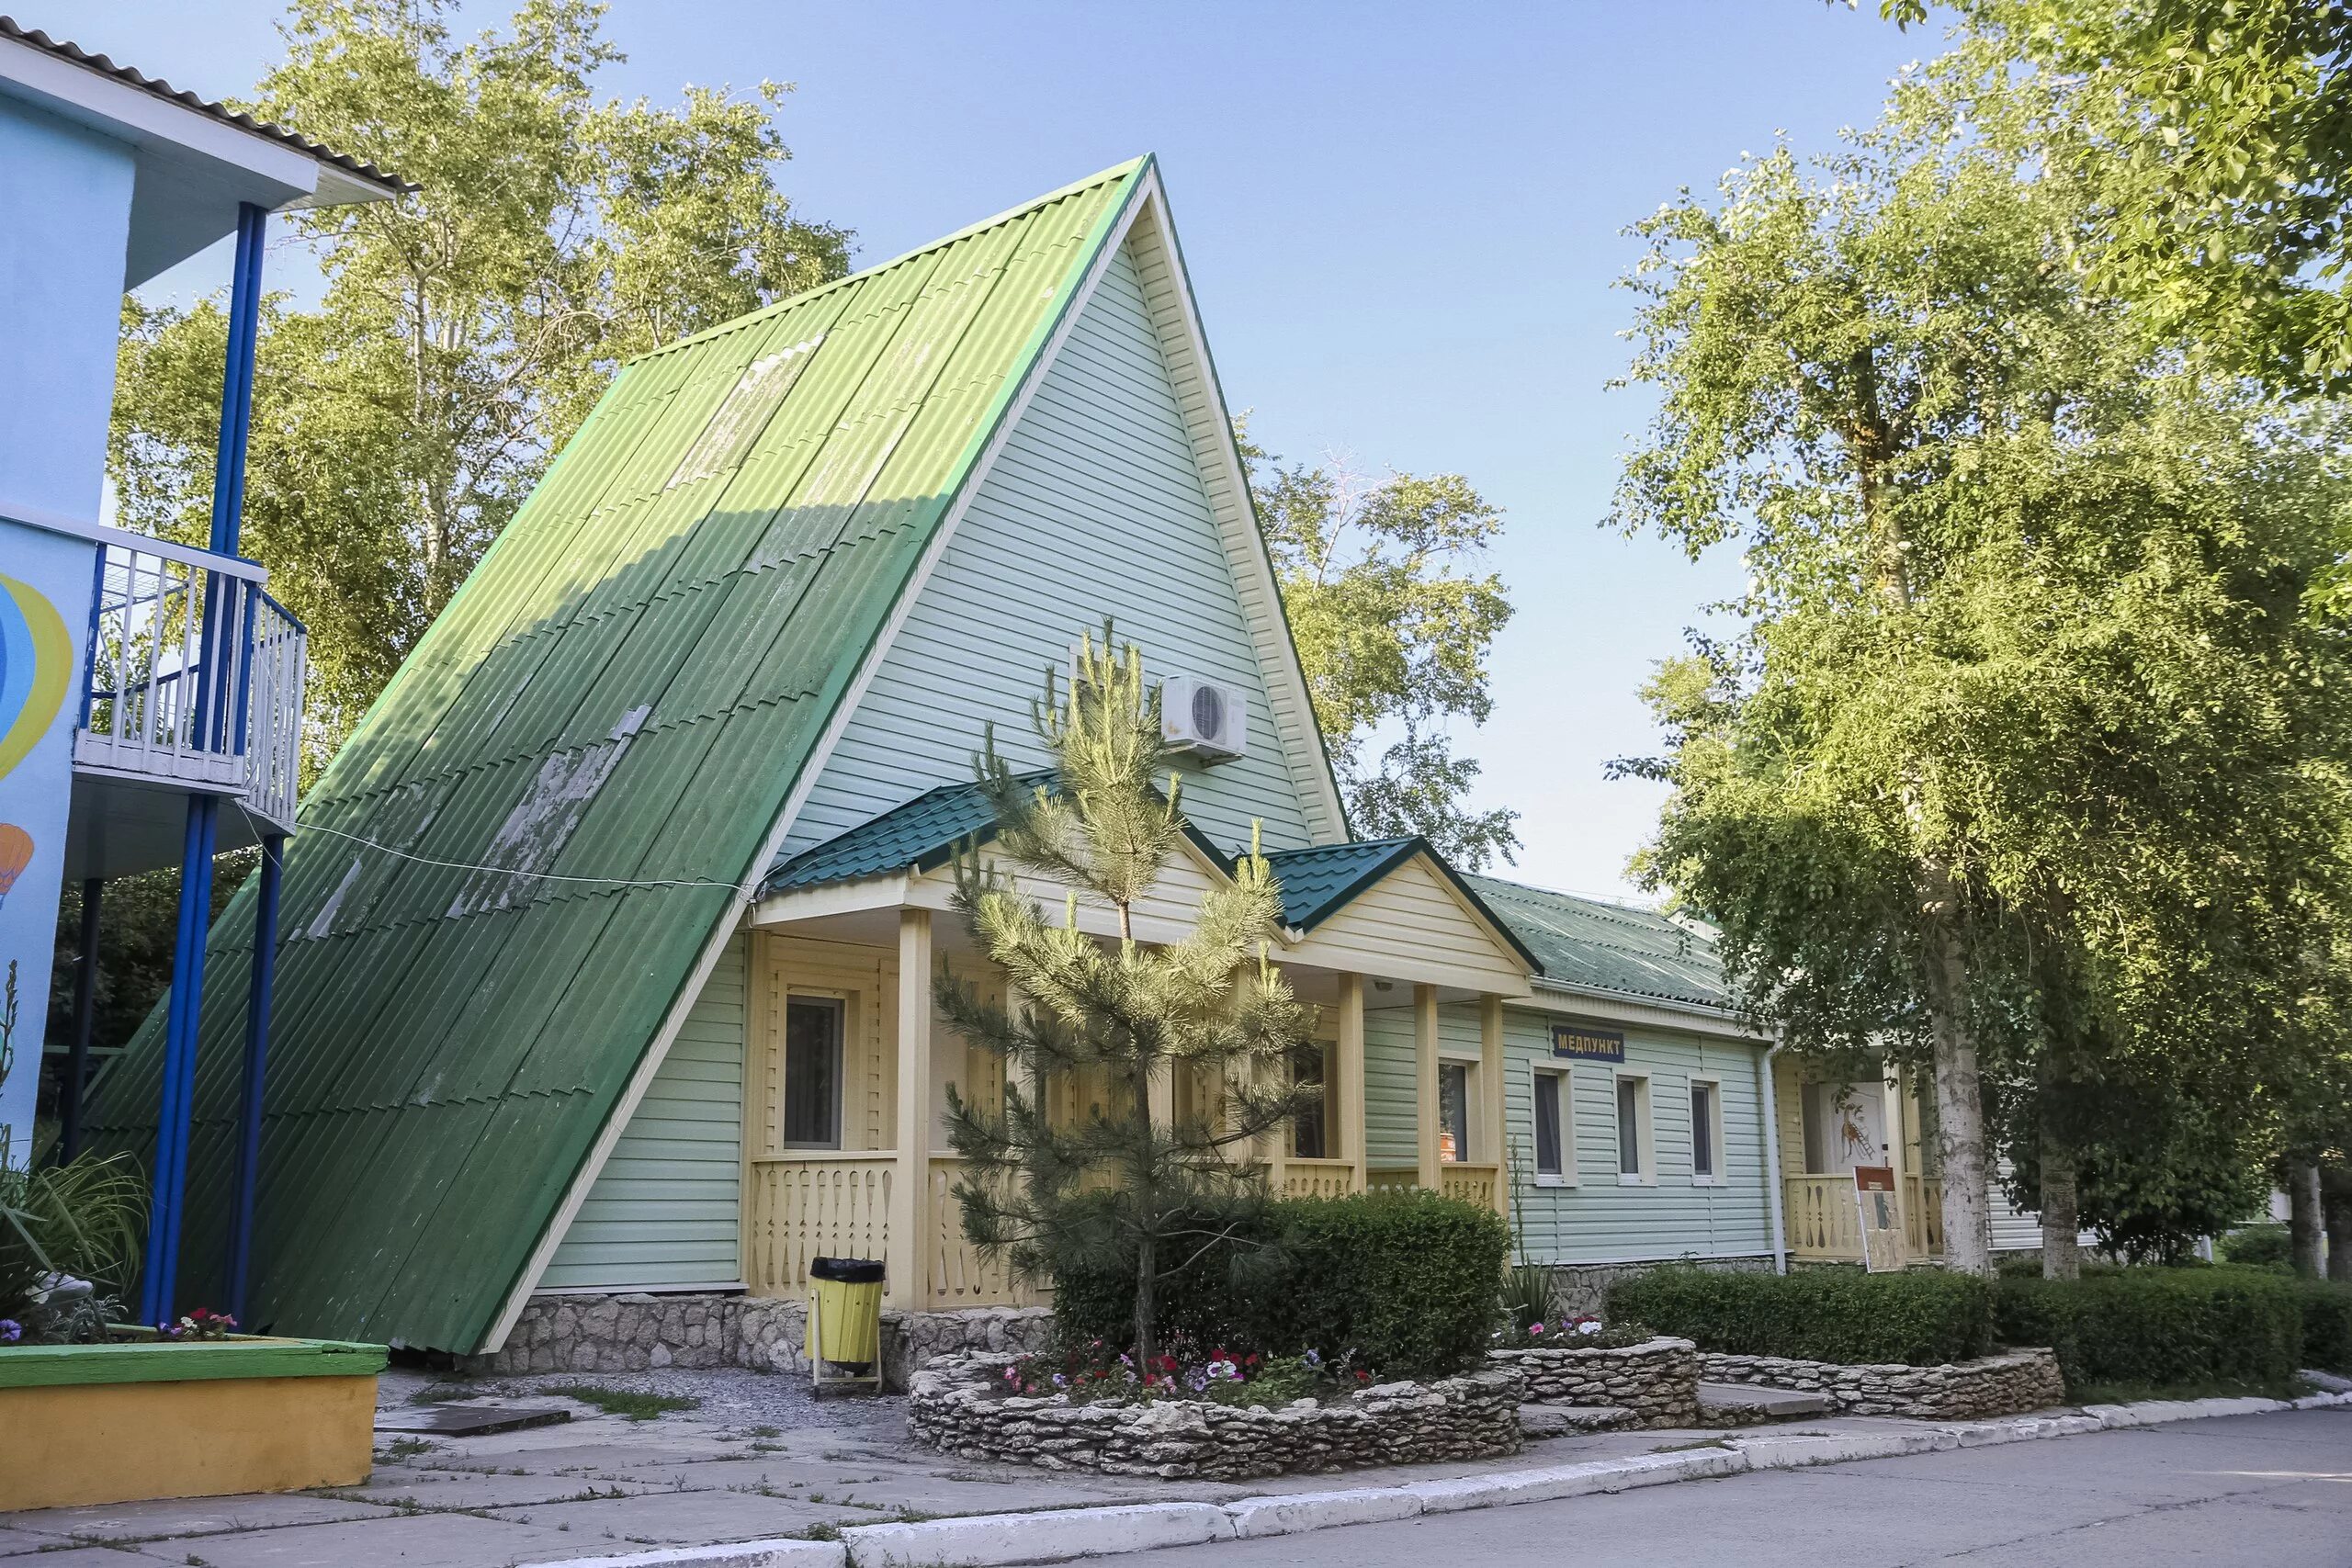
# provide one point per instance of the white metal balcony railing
(194, 677)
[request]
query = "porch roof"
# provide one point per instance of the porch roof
(1591, 945)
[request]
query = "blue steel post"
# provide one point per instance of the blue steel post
(158, 1279)
(240, 1221)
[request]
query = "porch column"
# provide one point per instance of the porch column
(1894, 1090)
(1493, 1131)
(910, 1181)
(1348, 1113)
(1431, 1173)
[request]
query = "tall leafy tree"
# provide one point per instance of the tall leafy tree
(464, 332)
(1394, 623)
(1154, 1181)
(2023, 763)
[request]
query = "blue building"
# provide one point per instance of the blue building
(151, 691)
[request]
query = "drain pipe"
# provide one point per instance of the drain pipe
(1772, 1158)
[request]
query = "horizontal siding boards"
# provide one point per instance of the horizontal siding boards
(664, 1210)
(1095, 507)
(1597, 1220)
(624, 691)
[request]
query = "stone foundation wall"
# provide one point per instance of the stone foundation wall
(954, 1405)
(1584, 1287)
(2005, 1384)
(637, 1332)
(1657, 1380)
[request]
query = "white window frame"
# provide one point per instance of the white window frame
(1566, 1077)
(1721, 1175)
(1466, 1147)
(1645, 1128)
(845, 1005)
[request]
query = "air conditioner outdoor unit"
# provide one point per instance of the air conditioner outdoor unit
(1205, 717)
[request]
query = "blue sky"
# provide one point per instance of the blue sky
(1402, 223)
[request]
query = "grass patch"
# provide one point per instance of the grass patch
(401, 1449)
(1681, 1447)
(2210, 1388)
(626, 1402)
(443, 1393)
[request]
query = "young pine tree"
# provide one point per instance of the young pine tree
(1149, 1180)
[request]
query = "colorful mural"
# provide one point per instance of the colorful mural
(48, 575)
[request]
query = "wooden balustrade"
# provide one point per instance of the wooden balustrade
(1319, 1177)
(1470, 1181)
(1923, 1216)
(961, 1275)
(805, 1206)
(1824, 1224)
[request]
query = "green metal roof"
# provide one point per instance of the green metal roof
(922, 835)
(1590, 944)
(504, 880)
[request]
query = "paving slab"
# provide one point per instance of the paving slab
(398, 1486)
(186, 1516)
(13, 1541)
(99, 1557)
(409, 1541)
(667, 1519)
(1770, 1403)
(470, 1420)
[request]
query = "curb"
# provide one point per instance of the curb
(1002, 1541)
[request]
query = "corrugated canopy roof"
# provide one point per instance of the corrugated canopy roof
(1594, 946)
(506, 878)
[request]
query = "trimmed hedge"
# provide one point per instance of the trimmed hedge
(1919, 1319)
(2327, 1325)
(1402, 1281)
(2160, 1327)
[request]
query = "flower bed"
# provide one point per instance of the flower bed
(153, 1417)
(965, 1405)
(1657, 1381)
(2007, 1383)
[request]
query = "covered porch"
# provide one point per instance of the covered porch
(1827, 1127)
(847, 1054)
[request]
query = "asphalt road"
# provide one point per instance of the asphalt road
(2269, 1490)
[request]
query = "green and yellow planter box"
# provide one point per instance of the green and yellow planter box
(130, 1420)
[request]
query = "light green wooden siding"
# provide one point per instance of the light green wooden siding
(664, 1210)
(1597, 1220)
(1094, 508)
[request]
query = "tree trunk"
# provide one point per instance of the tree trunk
(1959, 1106)
(2060, 1215)
(2336, 1204)
(2304, 1218)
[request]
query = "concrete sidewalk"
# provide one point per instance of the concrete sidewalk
(605, 1485)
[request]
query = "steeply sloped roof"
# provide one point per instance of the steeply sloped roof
(505, 880)
(1588, 945)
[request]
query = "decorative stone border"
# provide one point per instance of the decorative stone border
(1657, 1381)
(637, 1332)
(955, 1405)
(2005, 1385)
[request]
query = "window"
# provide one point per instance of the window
(1311, 1134)
(1706, 1130)
(1551, 1098)
(1634, 1166)
(1452, 1110)
(812, 1072)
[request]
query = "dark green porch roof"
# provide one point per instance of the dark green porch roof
(505, 879)
(922, 835)
(1594, 946)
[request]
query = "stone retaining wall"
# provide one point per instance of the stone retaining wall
(954, 1405)
(2006, 1384)
(1657, 1380)
(635, 1332)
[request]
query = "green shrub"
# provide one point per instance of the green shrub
(2327, 1325)
(1407, 1280)
(2159, 1327)
(1402, 1281)
(1920, 1319)
(2257, 1244)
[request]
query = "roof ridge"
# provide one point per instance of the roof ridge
(1128, 170)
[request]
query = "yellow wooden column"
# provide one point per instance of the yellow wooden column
(1494, 1145)
(1348, 1112)
(910, 1248)
(1430, 1172)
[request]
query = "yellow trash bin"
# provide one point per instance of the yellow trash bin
(844, 1320)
